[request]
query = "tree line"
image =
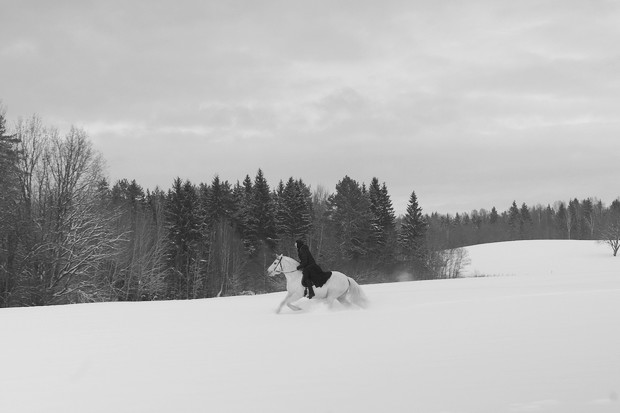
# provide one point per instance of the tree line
(586, 219)
(68, 235)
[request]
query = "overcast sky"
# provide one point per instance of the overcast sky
(472, 104)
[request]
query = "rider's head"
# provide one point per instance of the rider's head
(299, 243)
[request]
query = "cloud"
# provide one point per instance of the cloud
(466, 102)
(19, 49)
(536, 406)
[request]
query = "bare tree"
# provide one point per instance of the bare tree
(33, 140)
(611, 237)
(225, 260)
(140, 271)
(447, 263)
(319, 229)
(74, 256)
(569, 220)
(611, 232)
(71, 239)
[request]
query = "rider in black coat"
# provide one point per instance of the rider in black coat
(307, 265)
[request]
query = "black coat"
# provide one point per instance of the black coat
(305, 257)
(312, 273)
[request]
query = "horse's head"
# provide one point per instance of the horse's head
(282, 265)
(276, 266)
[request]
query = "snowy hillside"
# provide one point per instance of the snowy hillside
(542, 257)
(545, 337)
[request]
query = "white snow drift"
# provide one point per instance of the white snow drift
(541, 334)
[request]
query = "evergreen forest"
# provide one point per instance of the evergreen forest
(67, 235)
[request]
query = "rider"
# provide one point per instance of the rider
(307, 265)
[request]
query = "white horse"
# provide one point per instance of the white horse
(338, 287)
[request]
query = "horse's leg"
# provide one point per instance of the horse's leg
(337, 291)
(285, 301)
(291, 298)
(281, 304)
(329, 300)
(344, 300)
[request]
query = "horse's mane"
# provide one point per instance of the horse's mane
(290, 258)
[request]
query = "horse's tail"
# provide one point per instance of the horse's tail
(356, 295)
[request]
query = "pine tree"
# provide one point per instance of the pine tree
(494, 217)
(323, 232)
(383, 221)
(263, 211)
(350, 215)
(8, 166)
(376, 238)
(280, 213)
(302, 207)
(293, 206)
(259, 228)
(242, 201)
(413, 229)
(127, 195)
(9, 226)
(548, 231)
(598, 218)
(238, 197)
(587, 210)
(219, 201)
(8, 153)
(525, 221)
(244, 215)
(225, 257)
(388, 218)
(574, 225)
(104, 193)
(153, 283)
(183, 223)
(561, 221)
(514, 220)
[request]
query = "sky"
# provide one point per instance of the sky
(471, 104)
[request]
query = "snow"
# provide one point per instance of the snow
(540, 333)
(542, 257)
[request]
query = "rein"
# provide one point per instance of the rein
(282, 268)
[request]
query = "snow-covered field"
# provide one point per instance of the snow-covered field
(540, 335)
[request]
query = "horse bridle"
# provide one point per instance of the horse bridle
(275, 270)
(281, 267)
